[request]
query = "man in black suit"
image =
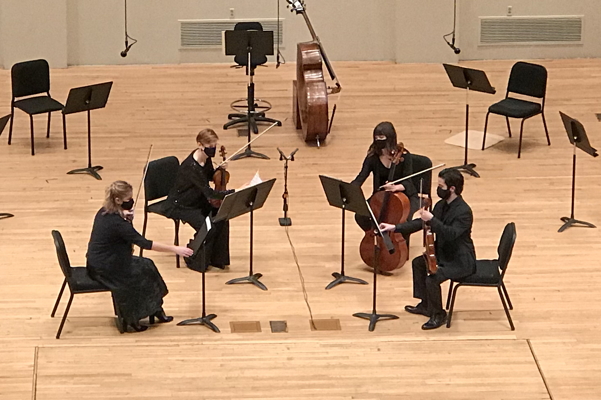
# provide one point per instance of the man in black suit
(451, 221)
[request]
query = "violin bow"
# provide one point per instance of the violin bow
(247, 144)
(415, 174)
(144, 174)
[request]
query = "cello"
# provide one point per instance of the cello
(310, 92)
(220, 177)
(391, 208)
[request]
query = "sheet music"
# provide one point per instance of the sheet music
(256, 179)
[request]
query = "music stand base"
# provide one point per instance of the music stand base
(568, 222)
(469, 169)
(249, 153)
(206, 321)
(285, 221)
(254, 279)
(374, 317)
(5, 215)
(343, 279)
(89, 170)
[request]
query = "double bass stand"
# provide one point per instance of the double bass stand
(468, 79)
(346, 197)
(199, 265)
(373, 317)
(249, 44)
(578, 138)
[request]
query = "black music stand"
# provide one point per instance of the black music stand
(197, 263)
(239, 203)
(468, 79)
(88, 98)
(3, 121)
(373, 317)
(578, 138)
(249, 44)
(346, 197)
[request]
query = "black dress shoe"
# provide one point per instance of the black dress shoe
(161, 316)
(418, 309)
(218, 266)
(436, 321)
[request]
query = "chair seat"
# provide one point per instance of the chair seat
(515, 108)
(38, 105)
(160, 207)
(81, 281)
(487, 271)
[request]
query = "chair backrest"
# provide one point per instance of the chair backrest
(160, 177)
(506, 244)
(528, 79)
(420, 163)
(243, 60)
(61, 253)
(30, 77)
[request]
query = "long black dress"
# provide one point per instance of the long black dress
(136, 284)
(373, 165)
(188, 201)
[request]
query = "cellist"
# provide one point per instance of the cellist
(190, 198)
(451, 221)
(378, 163)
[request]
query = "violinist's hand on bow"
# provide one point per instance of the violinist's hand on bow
(384, 227)
(129, 214)
(389, 187)
(425, 215)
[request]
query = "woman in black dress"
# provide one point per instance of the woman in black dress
(137, 287)
(190, 199)
(378, 163)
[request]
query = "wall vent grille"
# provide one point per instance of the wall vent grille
(207, 33)
(531, 30)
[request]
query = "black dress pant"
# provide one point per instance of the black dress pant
(427, 287)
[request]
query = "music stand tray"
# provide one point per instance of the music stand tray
(346, 197)
(474, 80)
(199, 265)
(239, 203)
(88, 98)
(578, 139)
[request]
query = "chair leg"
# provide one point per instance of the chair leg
(546, 130)
(60, 328)
(31, 129)
(12, 118)
(58, 299)
(485, 128)
(506, 296)
(450, 314)
(176, 241)
(520, 144)
(144, 229)
(505, 308)
(48, 128)
(449, 294)
(65, 132)
(508, 126)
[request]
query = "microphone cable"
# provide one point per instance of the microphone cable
(127, 37)
(279, 56)
(451, 44)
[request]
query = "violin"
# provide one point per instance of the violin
(391, 208)
(429, 253)
(221, 177)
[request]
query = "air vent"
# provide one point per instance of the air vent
(531, 30)
(207, 33)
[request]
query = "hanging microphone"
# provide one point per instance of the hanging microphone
(457, 50)
(451, 44)
(127, 47)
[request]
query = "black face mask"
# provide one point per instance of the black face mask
(443, 193)
(379, 144)
(210, 151)
(128, 205)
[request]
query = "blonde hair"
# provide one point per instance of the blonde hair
(117, 189)
(207, 137)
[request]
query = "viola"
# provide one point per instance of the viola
(391, 208)
(221, 177)
(429, 253)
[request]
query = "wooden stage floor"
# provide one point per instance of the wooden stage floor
(552, 279)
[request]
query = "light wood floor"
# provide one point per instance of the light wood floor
(553, 278)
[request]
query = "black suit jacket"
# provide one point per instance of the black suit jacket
(455, 251)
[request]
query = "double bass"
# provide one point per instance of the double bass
(310, 92)
(391, 208)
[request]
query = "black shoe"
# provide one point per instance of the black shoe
(436, 321)
(218, 266)
(161, 316)
(418, 309)
(137, 327)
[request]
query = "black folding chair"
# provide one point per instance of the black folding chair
(31, 78)
(489, 273)
(75, 277)
(159, 180)
(525, 79)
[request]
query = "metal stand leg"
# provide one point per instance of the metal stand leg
(205, 319)
(89, 169)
